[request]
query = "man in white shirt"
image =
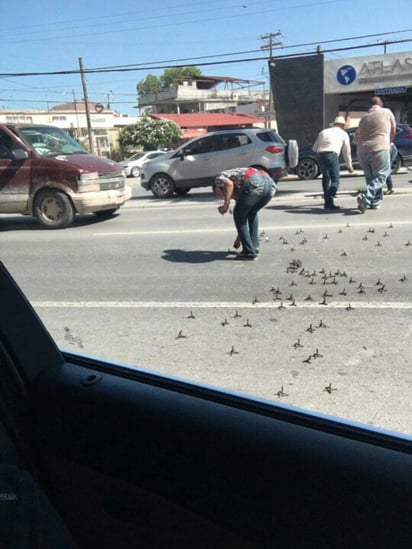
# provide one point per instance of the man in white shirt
(329, 144)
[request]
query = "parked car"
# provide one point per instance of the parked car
(46, 173)
(308, 164)
(133, 165)
(128, 458)
(197, 162)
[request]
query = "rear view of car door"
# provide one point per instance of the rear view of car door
(236, 150)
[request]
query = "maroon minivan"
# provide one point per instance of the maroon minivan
(46, 173)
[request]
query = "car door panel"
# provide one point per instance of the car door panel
(132, 458)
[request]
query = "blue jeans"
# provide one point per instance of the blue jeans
(376, 166)
(256, 192)
(329, 165)
(393, 155)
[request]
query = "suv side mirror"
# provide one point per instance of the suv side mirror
(20, 154)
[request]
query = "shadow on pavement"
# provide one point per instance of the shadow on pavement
(196, 256)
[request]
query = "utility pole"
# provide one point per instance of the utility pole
(270, 42)
(86, 106)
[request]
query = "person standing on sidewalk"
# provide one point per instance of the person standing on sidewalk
(377, 128)
(329, 144)
(252, 189)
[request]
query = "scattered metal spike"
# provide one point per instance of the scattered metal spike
(347, 225)
(293, 304)
(292, 248)
(281, 393)
(361, 286)
(362, 291)
(309, 298)
(343, 292)
(262, 233)
(267, 239)
(325, 237)
(303, 241)
(317, 354)
(293, 283)
(310, 329)
(408, 243)
(225, 322)
(322, 271)
(340, 231)
(312, 281)
(71, 338)
(349, 307)
(180, 335)
(308, 360)
(297, 344)
(378, 243)
(329, 389)
(191, 315)
(323, 302)
(382, 289)
(285, 242)
(403, 279)
(322, 324)
(255, 301)
(281, 306)
(233, 351)
(248, 324)
(390, 226)
(385, 234)
(378, 283)
(325, 294)
(343, 254)
(237, 315)
(351, 280)
(290, 298)
(365, 237)
(371, 230)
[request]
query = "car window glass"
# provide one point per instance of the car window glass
(201, 146)
(269, 137)
(6, 145)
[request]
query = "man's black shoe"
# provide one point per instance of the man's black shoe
(331, 207)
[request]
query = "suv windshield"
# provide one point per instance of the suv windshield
(49, 141)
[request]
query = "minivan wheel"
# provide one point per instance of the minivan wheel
(162, 186)
(307, 168)
(53, 209)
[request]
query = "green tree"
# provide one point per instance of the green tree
(153, 84)
(171, 76)
(150, 133)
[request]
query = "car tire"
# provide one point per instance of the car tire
(396, 164)
(105, 214)
(135, 171)
(162, 186)
(183, 190)
(307, 168)
(292, 153)
(53, 209)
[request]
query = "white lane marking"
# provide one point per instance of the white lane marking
(216, 305)
(263, 226)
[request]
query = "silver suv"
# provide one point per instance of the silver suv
(197, 162)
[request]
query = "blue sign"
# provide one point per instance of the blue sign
(346, 75)
(390, 91)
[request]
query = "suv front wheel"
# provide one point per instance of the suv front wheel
(162, 186)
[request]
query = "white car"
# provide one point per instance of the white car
(133, 165)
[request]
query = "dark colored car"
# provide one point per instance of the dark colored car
(308, 164)
(44, 172)
(128, 458)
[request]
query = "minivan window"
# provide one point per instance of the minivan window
(48, 141)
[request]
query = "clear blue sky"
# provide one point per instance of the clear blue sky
(53, 35)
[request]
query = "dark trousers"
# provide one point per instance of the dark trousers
(329, 165)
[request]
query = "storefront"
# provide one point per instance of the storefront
(310, 91)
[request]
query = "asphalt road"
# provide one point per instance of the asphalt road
(322, 320)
